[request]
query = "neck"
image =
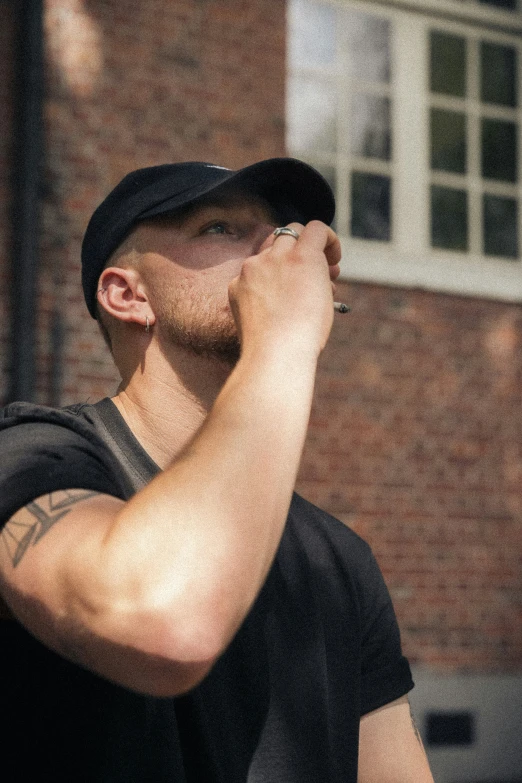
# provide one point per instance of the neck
(165, 401)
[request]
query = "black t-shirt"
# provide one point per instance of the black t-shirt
(319, 648)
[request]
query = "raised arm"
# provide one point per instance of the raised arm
(150, 592)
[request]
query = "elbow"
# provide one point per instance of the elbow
(188, 632)
(170, 655)
(195, 644)
(149, 642)
(142, 654)
(168, 660)
(164, 679)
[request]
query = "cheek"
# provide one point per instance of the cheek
(210, 283)
(191, 297)
(170, 284)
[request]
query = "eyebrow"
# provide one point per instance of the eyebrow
(225, 201)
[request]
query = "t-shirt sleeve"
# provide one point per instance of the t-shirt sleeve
(45, 452)
(385, 672)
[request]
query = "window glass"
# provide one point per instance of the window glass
(449, 218)
(500, 226)
(499, 153)
(312, 114)
(330, 176)
(370, 126)
(447, 64)
(367, 42)
(448, 141)
(498, 70)
(312, 39)
(371, 206)
(508, 5)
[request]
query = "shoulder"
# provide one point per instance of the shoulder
(39, 431)
(340, 562)
(47, 449)
(21, 420)
(326, 538)
(338, 559)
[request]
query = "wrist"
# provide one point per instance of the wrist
(286, 349)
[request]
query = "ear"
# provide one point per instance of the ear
(122, 294)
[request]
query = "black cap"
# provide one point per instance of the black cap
(294, 189)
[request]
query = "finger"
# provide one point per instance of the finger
(335, 271)
(321, 236)
(286, 241)
(332, 247)
(333, 250)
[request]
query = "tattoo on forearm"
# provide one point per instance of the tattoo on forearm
(36, 519)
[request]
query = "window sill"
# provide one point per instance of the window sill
(443, 271)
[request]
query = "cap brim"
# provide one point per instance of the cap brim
(294, 189)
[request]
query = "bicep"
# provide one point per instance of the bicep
(390, 748)
(40, 544)
(55, 581)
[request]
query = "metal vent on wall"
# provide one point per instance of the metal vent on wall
(450, 728)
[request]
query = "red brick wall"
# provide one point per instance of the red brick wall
(414, 438)
(416, 443)
(133, 83)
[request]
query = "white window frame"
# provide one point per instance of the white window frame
(409, 260)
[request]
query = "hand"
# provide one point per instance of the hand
(285, 292)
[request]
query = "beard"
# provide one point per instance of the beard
(196, 323)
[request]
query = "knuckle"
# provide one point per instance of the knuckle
(317, 225)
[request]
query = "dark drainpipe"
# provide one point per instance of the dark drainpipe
(27, 177)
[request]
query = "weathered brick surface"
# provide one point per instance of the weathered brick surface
(415, 438)
(134, 84)
(416, 442)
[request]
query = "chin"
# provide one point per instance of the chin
(219, 341)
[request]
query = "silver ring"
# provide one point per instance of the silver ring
(286, 231)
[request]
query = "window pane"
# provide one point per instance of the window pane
(448, 141)
(500, 226)
(447, 64)
(499, 150)
(510, 5)
(330, 176)
(370, 127)
(312, 34)
(449, 218)
(371, 206)
(498, 74)
(328, 173)
(311, 114)
(368, 45)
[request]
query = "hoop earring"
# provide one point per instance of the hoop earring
(147, 325)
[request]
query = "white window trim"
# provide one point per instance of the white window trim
(460, 11)
(408, 260)
(401, 262)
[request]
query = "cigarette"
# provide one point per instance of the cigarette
(341, 307)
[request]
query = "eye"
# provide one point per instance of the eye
(218, 227)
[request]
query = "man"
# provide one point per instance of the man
(178, 614)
